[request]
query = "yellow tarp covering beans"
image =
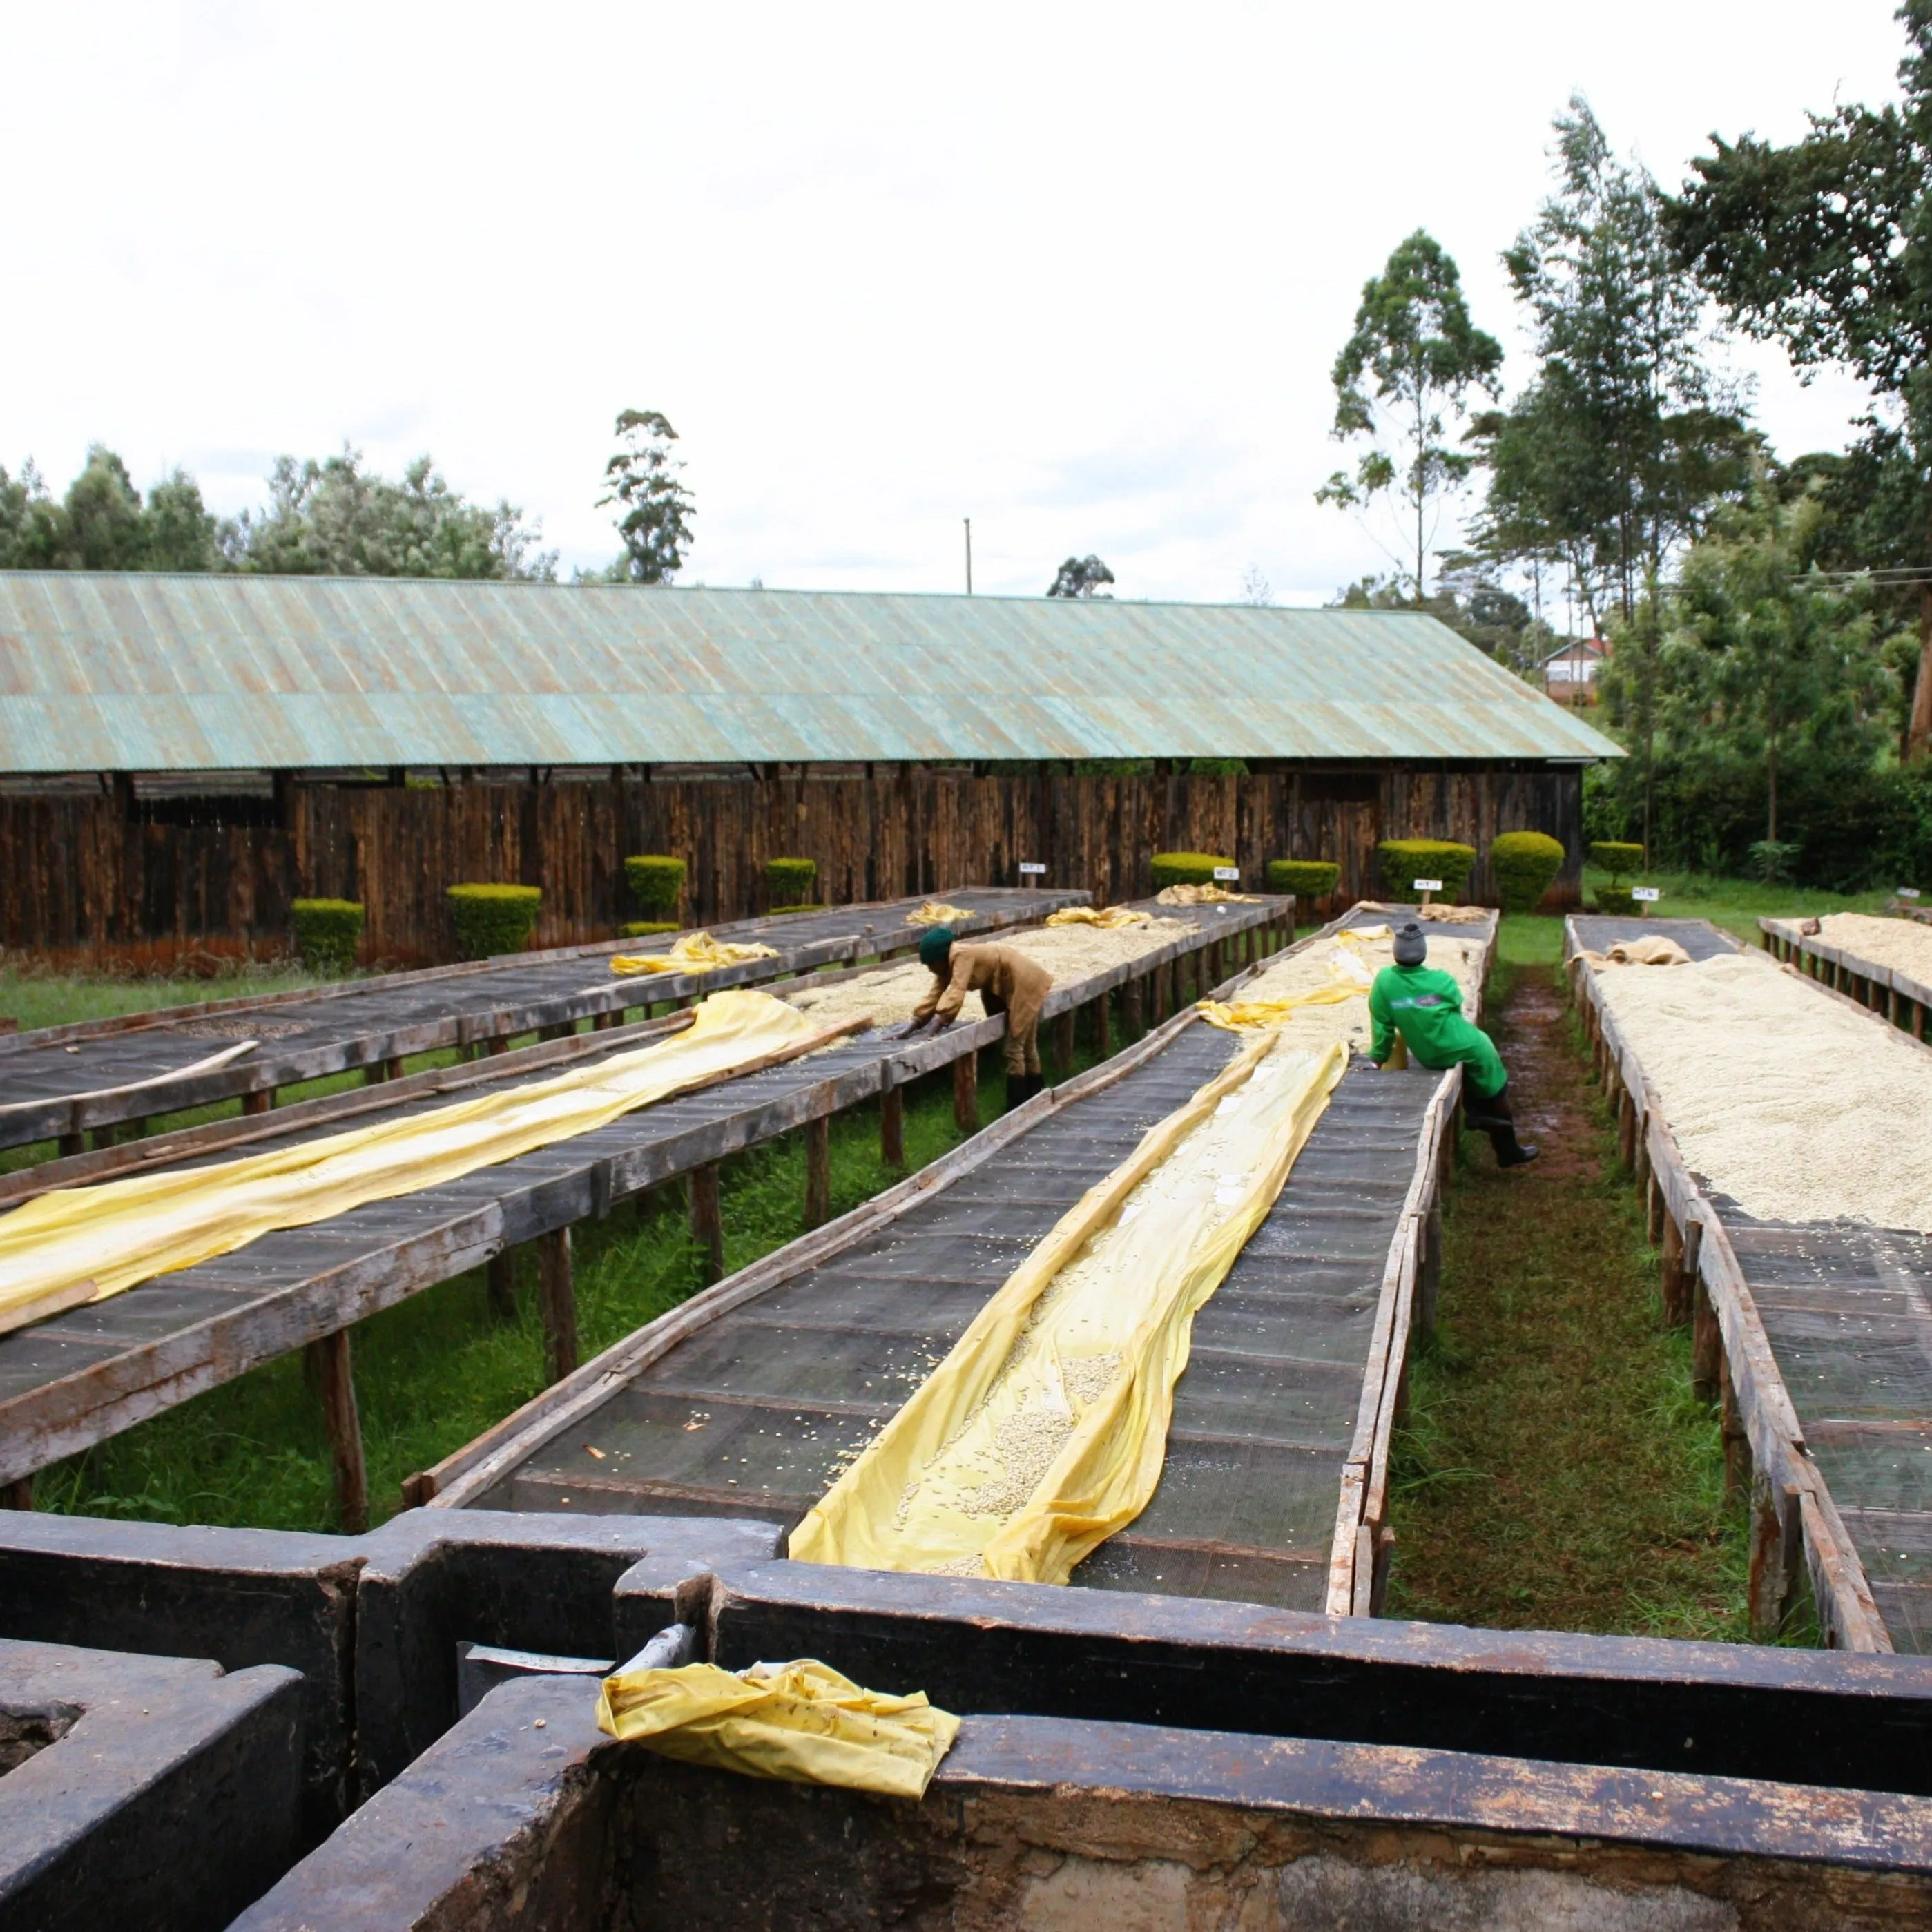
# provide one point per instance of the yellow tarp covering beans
(1044, 1430)
(83, 1243)
(1202, 895)
(801, 1722)
(937, 912)
(1110, 918)
(695, 952)
(1351, 980)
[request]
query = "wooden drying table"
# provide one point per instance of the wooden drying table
(746, 1400)
(1816, 1337)
(1889, 990)
(57, 1082)
(81, 1376)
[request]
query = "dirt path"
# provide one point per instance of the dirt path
(1556, 1471)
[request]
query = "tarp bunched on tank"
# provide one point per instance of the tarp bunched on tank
(83, 1244)
(1044, 1430)
(801, 1722)
(695, 952)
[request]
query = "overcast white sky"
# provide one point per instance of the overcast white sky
(1078, 272)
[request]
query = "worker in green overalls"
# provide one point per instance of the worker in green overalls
(1424, 1006)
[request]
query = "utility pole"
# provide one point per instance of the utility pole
(969, 557)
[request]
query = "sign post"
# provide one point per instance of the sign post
(1425, 887)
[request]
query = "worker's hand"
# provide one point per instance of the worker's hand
(940, 1021)
(913, 1026)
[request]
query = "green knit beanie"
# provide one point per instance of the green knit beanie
(935, 945)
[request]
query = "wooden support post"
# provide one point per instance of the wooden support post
(1707, 1342)
(1429, 1286)
(1730, 1420)
(1626, 1127)
(1063, 1043)
(707, 1223)
(891, 1126)
(1672, 1287)
(499, 1271)
(17, 1495)
(562, 1029)
(72, 1144)
(330, 1371)
(1103, 1028)
(259, 1102)
(818, 1171)
(1918, 1019)
(1656, 1214)
(966, 1093)
(607, 1022)
(556, 1296)
(1133, 1018)
(1777, 1553)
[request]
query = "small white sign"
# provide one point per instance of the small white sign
(1029, 870)
(1907, 893)
(1645, 895)
(1428, 885)
(1228, 873)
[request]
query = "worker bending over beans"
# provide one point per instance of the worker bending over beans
(1425, 1006)
(1006, 981)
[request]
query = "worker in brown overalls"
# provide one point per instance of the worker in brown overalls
(1006, 981)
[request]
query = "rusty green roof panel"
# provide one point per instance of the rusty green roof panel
(101, 671)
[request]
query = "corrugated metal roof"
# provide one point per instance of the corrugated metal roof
(102, 671)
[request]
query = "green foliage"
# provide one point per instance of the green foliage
(1217, 768)
(103, 524)
(1081, 577)
(789, 882)
(327, 932)
(1185, 868)
(1402, 378)
(655, 509)
(1616, 902)
(494, 919)
(656, 883)
(1307, 879)
(1771, 861)
(1523, 864)
(804, 905)
(1615, 858)
(1401, 861)
(647, 928)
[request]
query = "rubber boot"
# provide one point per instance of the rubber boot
(1021, 1087)
(1496, 1117)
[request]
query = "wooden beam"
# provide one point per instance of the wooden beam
(556, 1296)
(892, 1124)
(707, 1226)
(818, 1171)
(966, 1093)
(330, 1370)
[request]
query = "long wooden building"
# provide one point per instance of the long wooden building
(180, 756)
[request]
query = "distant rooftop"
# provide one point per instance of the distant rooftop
(114, 672)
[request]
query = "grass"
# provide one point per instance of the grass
(35, 998)
(1736, 905)
(1556, 1470)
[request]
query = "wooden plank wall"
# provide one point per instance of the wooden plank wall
(87, 883)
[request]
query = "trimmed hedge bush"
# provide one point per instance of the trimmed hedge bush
(491, 920)
(327, 931)
(1217, 768)
(810, 905)
(790, 881)
(646, 929)
(656, 883)
(1616, 901)
(1403, 861)
(1523, 864)
(1607, 856)
(1305, 878)
(1185, 868)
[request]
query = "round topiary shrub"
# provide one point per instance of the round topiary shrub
(1401, 861)
(1616, 901)
(1185, 868)
(1607, 856)
(656, 883)
(646, 929)
(493, 919)
(1307, 879)
(1523, 863)
(789, 882)
(327, 931)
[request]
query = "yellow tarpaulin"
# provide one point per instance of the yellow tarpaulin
(937, 912)
(1044, 1430)
(1350, 979)
(1110, 919)
(81, 1243)
(1203, 896)
(800, 1722)
(695, 952)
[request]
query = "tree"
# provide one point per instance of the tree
(1081, 577)
(181, 533)
(1825, 246)
(1413, 360)
(335, 518)
(643, 478)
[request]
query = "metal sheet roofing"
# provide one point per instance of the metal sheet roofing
(103, 672)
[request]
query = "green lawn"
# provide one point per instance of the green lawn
(35, 999)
